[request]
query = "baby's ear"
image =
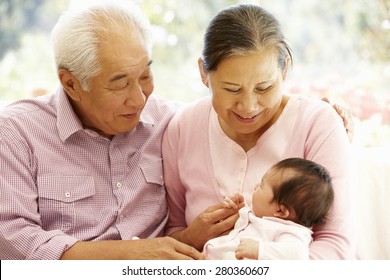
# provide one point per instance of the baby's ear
(282, 212)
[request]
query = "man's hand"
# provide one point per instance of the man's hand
(163, 248)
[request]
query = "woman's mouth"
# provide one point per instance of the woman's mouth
(246, 118)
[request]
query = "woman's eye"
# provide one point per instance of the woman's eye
(263, 89)
(232, 90)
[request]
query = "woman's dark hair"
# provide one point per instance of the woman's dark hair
(309, 192)
(242, 29)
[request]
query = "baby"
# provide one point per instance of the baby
(293, 196)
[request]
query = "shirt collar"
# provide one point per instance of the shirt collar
(68, 122)
(146, 117)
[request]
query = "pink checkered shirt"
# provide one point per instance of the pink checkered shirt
(60, 183)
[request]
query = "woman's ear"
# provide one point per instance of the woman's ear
(70, 84)
(287, 62)
(203, 73)
(282, 212)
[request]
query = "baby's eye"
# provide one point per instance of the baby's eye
(261, 184)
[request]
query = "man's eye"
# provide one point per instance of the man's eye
(124, 86)
(119, 86)
(145, 78)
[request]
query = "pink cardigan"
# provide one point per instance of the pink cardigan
(312, 130)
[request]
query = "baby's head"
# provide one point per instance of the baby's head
(295, 189)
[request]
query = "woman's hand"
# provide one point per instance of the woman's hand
(346, 115)
(216, 220)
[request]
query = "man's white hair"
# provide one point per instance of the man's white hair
(76, 36)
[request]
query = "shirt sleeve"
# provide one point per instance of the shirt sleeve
(21, 232)
(328, 144)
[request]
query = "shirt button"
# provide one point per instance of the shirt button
(119, 185)
(67, 194)
(241, 169)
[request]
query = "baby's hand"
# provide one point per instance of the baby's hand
(234, 201)
(247, 249)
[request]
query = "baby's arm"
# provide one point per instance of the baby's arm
(234, 201)
(247, 249)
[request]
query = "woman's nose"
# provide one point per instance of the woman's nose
(248, 102)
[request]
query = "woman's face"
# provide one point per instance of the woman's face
(246, 92)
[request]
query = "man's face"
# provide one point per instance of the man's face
(118, 95)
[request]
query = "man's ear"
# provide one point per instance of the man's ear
(203, 73)
(282, 212)
(70, 84)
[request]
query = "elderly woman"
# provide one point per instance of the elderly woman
(224, 143)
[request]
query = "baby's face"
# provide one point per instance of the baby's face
(262, 199)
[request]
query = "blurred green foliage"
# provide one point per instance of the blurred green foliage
(16, 17)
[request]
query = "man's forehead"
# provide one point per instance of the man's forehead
(130, 70)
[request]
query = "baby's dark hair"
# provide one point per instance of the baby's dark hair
(309, 193)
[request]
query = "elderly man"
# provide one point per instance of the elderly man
(81, 169)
